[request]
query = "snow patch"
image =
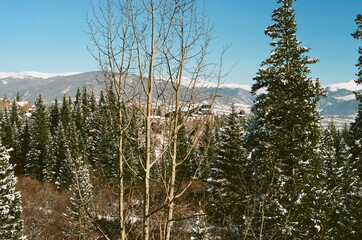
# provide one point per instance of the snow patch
(346, 97)
(188, 82)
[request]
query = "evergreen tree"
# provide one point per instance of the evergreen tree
(40, 133)
(207, 148)
(335, 180)
(16, 124)
(79, 212)
(186, 154)
(54, 116)
(226, 173)
(356, 126)
(24, 139)
(11, 225)
(103, 140)
(6, 132)
(66, 112)
(351, 225)
(77, 113)
(284, 139)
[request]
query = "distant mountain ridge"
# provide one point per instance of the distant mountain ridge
(34, 74)
(340, 104)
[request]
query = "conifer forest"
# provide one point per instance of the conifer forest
(147, 158)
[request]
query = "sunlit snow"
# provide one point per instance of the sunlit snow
(34, 74)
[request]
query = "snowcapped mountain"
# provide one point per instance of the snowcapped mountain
(340, 104)
(33, 74)
(350, 86)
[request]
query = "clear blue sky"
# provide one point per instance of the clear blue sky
(49, 35)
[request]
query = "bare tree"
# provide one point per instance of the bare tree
(156, 40)
(111, 33)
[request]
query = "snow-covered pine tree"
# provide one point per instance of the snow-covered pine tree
(79, 215)
(335, 180)
(284, 139)
(6, 129)
(226, 173)
(11, 225)
(353, 216)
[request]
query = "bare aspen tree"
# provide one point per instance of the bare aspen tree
(184, 55)
(111, 33)
(161, 41)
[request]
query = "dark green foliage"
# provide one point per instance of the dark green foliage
(335, 179)
(66, 112)
(226, 175)
(207, 148)
(284, 140)
(39, 139)
(54, 116)
(16, 124)
(358, 35)
(352, 202)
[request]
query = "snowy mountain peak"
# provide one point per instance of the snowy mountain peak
(350, 85)
(34, 74)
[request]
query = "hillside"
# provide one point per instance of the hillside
(339, 105)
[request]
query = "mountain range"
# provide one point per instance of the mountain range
(339, 105)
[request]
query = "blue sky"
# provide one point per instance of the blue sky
(49, 36)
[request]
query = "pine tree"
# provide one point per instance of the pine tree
(351, 225)
(11, 225)
(335, 180)
(24, 139)
(6, 132)
(54, 116)
(80, 193)
(356, 126)
(226, 173)
(16, 124)
(284, 139)
(66, 112)
(77, 113)
(207, 148)
(40, 133)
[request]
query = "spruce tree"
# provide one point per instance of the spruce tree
(207, 148)
(16, 124)
(356, 126)
(39, 138)
(54, 116)
(80, 220)
(335, 180)
(226, 173)
(284, 139)
(11, 225)
(351, 224)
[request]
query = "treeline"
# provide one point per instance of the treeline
(275, 175)
(73, 144)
